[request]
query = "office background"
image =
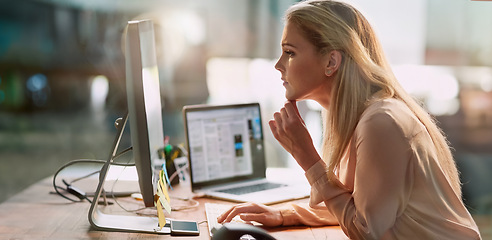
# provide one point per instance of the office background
(62, 74)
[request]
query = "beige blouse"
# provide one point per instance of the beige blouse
(390, 186)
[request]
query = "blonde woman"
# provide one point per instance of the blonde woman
(386, 171)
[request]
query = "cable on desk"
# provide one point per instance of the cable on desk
(81, 195)
(193, 202)
(75, 191)
(204, 221)
(116, 199)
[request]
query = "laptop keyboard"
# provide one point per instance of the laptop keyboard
(251, 188)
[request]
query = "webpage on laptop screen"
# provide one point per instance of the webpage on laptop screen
(221, 142)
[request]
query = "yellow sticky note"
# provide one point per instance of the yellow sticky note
(160, 213)
(163, 187)
(163, 194)
(162, 199)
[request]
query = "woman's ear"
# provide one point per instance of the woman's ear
(334, 60)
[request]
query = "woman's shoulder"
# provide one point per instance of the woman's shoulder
(387, 106)
(388, 114)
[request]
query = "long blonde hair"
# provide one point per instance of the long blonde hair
(364, 70)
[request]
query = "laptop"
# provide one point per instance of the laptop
(226, 155)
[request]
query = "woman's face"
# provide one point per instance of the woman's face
(302, 68)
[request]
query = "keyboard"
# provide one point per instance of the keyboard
(212, 211)
(251, 188)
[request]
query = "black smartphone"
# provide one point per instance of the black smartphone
(184, 228)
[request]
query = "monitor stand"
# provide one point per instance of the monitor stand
(109, 222)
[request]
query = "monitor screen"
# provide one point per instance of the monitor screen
(144, 103)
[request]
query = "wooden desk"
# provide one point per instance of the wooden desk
(36, 214)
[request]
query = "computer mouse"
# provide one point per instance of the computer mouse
(234, 231)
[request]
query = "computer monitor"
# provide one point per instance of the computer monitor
(145, 117)
(144, 103)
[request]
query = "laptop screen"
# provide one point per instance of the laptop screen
(225, 143)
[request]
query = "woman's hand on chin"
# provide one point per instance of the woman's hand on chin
(290, 131)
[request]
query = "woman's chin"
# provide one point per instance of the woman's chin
(289, 97)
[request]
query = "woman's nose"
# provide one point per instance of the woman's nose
(278, 66)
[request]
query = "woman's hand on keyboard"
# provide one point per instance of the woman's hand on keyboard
(268, 216)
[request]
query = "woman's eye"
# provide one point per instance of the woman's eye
(289, 53)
